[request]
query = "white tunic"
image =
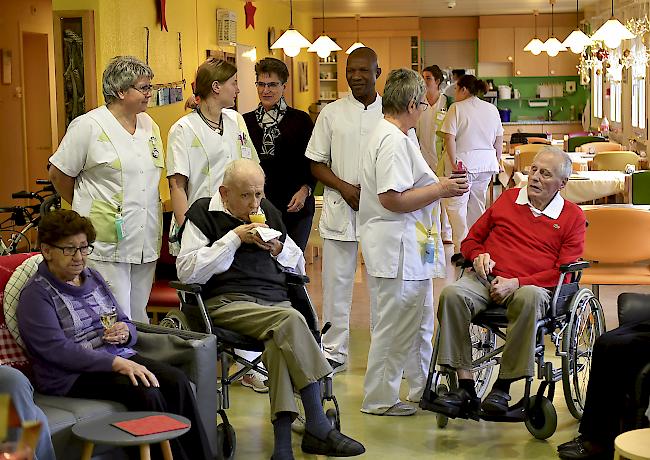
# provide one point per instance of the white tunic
(116, 173)
(427, 131)
(340, 135)
(476, 125)
(391, 161)
(201, 154)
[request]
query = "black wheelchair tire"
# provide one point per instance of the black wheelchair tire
(575, 390)
(541, 421)
(226, 441)
(175, 319)
(441, 420)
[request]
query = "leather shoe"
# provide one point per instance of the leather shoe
(496, 402)
(580, 449)
(457, 403)
(335, 444)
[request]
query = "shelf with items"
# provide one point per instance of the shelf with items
(328, 78)
(415, 53)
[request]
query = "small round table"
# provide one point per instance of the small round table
(100, 431)
(634, 445)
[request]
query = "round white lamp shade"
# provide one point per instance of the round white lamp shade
(291, 41)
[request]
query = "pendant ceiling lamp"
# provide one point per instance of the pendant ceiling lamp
(323, 45)
(577, 40)
(553, 46)
(291, 41)
(612, 32)
(535, 46)
(356, 44)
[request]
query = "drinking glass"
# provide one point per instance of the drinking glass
(108, 316)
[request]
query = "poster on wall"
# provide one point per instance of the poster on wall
(303, 78)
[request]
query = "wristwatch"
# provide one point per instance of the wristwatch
(308, 189)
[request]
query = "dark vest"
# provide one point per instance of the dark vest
(253, 270)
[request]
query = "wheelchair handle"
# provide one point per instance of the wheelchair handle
(574, 266)
(22, 194)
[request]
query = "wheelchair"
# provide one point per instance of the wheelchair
(574, 321)
(193, 316)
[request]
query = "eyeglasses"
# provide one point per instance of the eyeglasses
(425, 104)
(269, 85)
(72, 250)
(146, 89)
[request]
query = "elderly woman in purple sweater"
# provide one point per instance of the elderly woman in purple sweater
(60, 320)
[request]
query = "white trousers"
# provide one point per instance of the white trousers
(463, 211)
(130, 284)
(339, 268)
(445, 227)
(400, 342)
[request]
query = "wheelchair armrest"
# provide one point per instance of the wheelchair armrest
(642, 386)
(633, 307)
(461, 262)
(295, 278)
(574, 266)
(193, 288)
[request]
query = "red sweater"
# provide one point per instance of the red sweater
(524, 246)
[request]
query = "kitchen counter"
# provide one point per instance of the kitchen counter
(540, 122)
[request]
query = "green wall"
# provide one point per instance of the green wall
(527, 86)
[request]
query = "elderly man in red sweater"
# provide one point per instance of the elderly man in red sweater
(516, 247)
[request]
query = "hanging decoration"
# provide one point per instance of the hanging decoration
(638, 26)
(627, 60)
(160, 6)
(249, 12)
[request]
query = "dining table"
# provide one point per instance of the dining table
(580, 162)
(586, 186)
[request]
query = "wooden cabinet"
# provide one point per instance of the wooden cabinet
(565, 62)
(496, 44)
(526, 63)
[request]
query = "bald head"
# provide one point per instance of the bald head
(242, 189)
(240, 170)
(361, 72)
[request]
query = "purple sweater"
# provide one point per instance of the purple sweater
(57, 356)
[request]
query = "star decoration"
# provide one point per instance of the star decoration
(249, 10)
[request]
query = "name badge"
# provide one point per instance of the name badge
(441, 115)
(246, 152)
(120, 228)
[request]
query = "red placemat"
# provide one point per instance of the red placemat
(150, 425)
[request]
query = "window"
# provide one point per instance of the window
(615, 76)
(638, 83)
(597, 90)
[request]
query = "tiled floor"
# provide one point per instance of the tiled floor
(405, 437)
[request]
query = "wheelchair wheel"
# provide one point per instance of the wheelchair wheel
(441, 420)
(585, 325)
(484, 341)
(226, 441)
(541, 421)
(175, 319)
(333, 417)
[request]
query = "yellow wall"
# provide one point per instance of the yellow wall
(120, 30)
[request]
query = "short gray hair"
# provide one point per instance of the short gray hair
(565, 165)
(402, 87)
(121, 74)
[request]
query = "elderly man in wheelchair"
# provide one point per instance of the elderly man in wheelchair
(238, 262)
(521, 246)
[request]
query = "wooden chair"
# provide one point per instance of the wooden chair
(524, 155)
(614, 161)
(617, 246)
(577, 141)
(596, 147)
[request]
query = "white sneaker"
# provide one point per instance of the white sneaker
(256, 381)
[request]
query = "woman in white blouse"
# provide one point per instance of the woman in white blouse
(473, 135)
(402, 248)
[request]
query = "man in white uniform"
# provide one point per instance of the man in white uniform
(427, 129)
(340, 135)
(108, 167)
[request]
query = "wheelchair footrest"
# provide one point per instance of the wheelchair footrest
(515, 413)
(432, 404)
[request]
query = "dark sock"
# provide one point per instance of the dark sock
(503, 384)
(467, 385)
(282, 436)
(315, 421)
